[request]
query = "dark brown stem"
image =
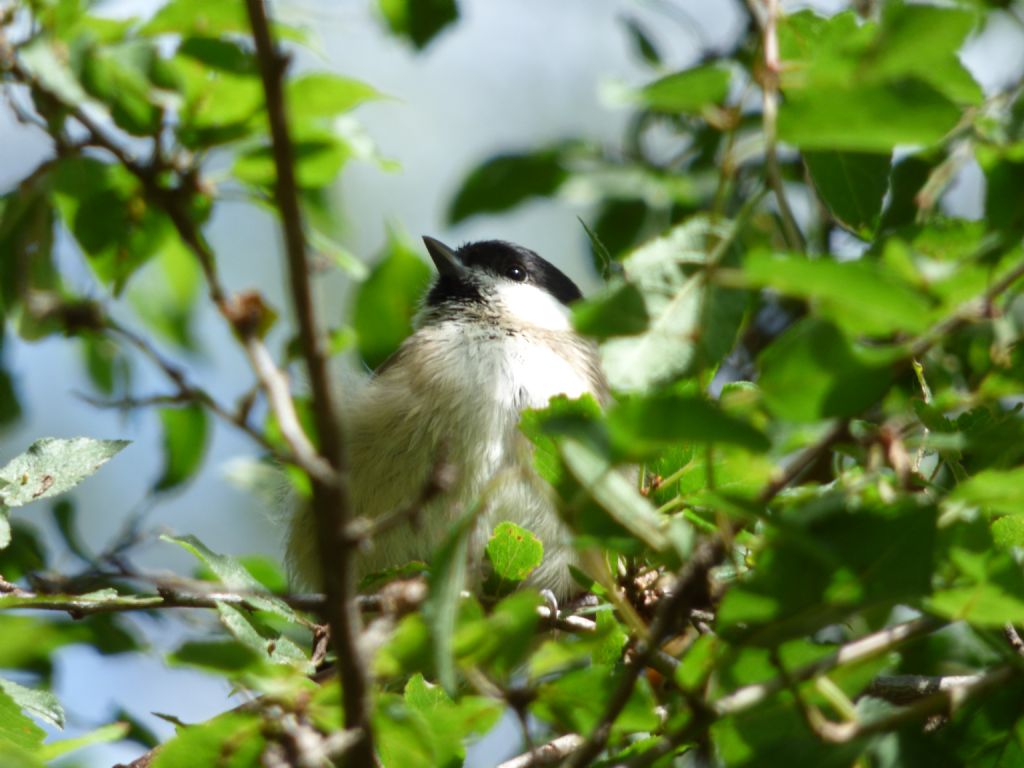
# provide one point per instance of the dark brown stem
(330, 498)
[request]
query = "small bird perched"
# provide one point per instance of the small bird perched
(492, 338)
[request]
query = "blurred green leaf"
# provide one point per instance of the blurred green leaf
(103, 206)
(1004, 173)
(404, 735)
(387, 300)
(869, 118)
(821, 564)
(101, 735)
(688, 91)
(860, 296)
(219, 656)
(614, 492)
(813, 372)
(21, 548)
(185, 439)
(641, 40)
(122, 77)
(999, 491)
(513, 552)
(321, 94)
(576, 700)
(504, 181)
(852, 185)
(52, 466)
(231, 740)
(64, 515)
(418, 21)
(319, 156)
(618, 311)
(500, 642)
(196, 17)
(643, 424)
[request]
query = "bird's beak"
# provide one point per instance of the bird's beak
(444, 258)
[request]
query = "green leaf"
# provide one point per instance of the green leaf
(219, 656)
(923, 41)
(576, 700)
(505, 181)
(387, 300)
(983, 604)
(186, 436)
(813, 372)
(233, 575)
(514, 552)
(447, 580)
(41, 704)
(614, 492)
(52, 466)
(618, 311)
(997, 491)
(647, 424)
(404, 736)
(1008, 532)
(450, 722)
(689, 91)
(868, 118)
(641, 41)
(822, 563)
(197, 17)
(319, 156)
(51, 70)
(418, 21)
(500, 642)
(321, 94)
(101, 735)
(668, 273)
(860, 296)
(104, 208)
(852, 185)
(26, 245)
(16, 728)
(122, 77)
(232, 740)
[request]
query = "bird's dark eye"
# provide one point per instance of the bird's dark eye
(515, 272)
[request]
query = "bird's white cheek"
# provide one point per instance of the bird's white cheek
(532, 306)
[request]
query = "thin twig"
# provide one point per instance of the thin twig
(551, 753)
(770, 116)
(944, 700)
(858, 650)
(330, 500)
(690, 583)
(174, 203)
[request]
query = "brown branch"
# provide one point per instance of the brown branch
(330, 497)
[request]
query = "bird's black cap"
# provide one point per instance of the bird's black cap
(500, 258)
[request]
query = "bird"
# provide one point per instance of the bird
(492, 337)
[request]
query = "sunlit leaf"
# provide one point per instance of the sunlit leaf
(52, 466)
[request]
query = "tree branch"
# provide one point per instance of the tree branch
(551, 753)
(330, 498)
(770, 114)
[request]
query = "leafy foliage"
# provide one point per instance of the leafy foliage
(808, 485)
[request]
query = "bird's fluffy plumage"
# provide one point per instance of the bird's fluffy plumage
(485, 348)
